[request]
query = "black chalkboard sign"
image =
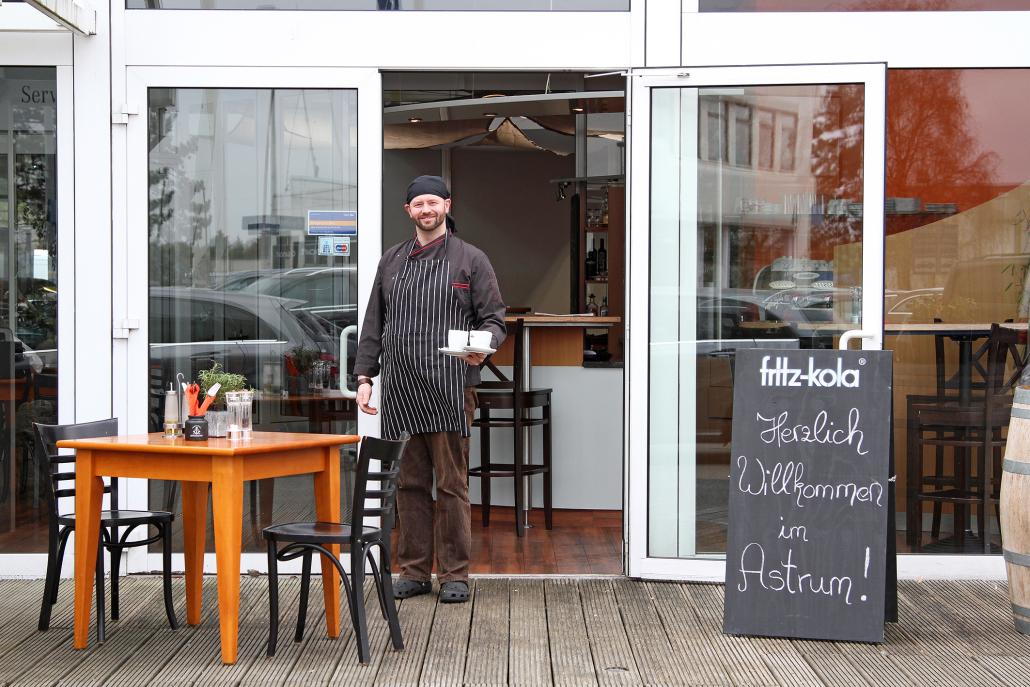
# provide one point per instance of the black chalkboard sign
(807, 549)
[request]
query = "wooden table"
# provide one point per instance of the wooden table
(225, 465)
(964, 333)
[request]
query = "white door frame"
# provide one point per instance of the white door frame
(130, 297)
(873, 75)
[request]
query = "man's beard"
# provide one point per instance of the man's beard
(434, 227)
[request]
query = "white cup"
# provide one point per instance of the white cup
(480, 339)
(457, 338)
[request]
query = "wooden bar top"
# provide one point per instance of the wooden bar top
(563, 320)
(259, 442)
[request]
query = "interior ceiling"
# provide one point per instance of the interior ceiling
(521, 111)
(531, 105)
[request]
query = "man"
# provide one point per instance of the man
(424, 287)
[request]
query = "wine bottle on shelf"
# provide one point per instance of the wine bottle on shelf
(591, 267)
(603, 311)
(602, 260)
(592, 305)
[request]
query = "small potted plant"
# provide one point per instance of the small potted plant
(218, 418)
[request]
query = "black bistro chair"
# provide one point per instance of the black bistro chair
(970, 428)
(303, 539)
(510, 397)
(61, 469)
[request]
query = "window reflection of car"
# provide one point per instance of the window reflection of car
(190, 328)
(915, 305)
(814, 304)
(328, 292)
(744, 311)
(237, 281)
(741, 317)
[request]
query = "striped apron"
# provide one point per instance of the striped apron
(423, 389)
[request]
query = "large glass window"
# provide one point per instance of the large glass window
(756, 241)
(957, 259)
(388, 5)
(859, 5)
(28, 298)
(253, 260)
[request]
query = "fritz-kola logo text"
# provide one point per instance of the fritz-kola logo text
(781, 374)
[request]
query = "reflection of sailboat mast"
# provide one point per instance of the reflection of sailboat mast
(272, 163)
(271, 179)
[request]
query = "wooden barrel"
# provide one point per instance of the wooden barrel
(1015, 509)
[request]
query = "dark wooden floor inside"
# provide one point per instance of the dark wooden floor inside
(521, 631)
(581, 542)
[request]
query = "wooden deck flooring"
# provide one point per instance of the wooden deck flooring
(518, 631)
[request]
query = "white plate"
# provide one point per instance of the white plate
(477, 349)
(456, 352)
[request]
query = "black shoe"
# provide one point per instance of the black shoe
(405, 589)
(454, 592)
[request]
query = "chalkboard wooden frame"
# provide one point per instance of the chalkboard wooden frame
(807, 550)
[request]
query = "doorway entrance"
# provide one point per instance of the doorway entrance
(535, 163)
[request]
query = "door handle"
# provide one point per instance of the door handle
(344, 354)
(847, 336)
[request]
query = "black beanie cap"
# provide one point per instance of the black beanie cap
(427, 184)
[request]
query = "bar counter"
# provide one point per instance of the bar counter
(554, 340)
(587, 412)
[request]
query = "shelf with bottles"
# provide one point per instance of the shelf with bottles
(600, 274)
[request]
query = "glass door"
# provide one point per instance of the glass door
(28, 300)
(757, 214)
(252, 241)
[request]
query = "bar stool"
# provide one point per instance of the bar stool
(509, 395)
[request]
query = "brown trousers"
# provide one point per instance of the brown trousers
(446, 525)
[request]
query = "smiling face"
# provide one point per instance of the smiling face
(428, 211)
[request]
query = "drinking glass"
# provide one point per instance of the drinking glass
(239, 403)
(246, 413)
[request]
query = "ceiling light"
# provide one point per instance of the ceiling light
(414, 120)
(494, 95)
(577, 109)
(489, 114)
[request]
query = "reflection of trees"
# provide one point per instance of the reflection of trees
(176, 260)
(838, 133)
(160, 202)
(931, 152)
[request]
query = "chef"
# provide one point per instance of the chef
(424, 287)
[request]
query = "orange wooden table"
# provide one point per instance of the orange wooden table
(226, 465)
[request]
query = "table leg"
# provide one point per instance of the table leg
(89, 492)
(965, 370)
(266, 500)
(227, 509)
(327, 509)
(194, 528)
(527, 436)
